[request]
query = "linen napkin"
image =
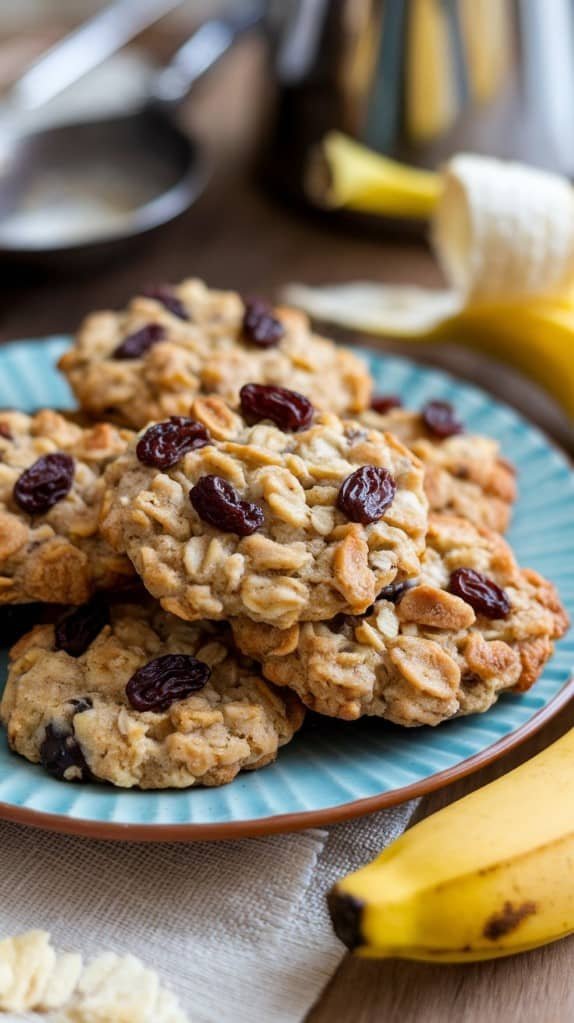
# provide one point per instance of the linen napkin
(238, 930)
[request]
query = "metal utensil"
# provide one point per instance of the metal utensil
(82, 50)
(115, 178)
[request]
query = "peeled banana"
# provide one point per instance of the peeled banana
(504, 231)
(490, 875)
(504, 236)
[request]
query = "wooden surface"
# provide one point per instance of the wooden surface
(236, 236)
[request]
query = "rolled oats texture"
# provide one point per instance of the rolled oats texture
(428, 657)
(465, 474)
(57, 555)
(236, 721)
(208, 353)
(307, 561)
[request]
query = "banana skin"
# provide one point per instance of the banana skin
(504, 236)
(488, 876)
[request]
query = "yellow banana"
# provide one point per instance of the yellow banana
(490, 875)
(504, 235)
(537, 338)
(363, 180)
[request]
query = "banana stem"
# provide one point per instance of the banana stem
(362, 180)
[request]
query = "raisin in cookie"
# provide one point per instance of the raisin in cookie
(464, 474)
(473, 625)
(279, 524)
(133, 696)
(173, 343)
(51, 486)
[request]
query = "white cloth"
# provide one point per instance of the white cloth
(238, 930)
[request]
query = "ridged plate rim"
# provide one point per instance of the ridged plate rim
(27, 380)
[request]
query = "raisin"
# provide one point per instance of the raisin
(5, 431)
(341, 621)
(166, 296)
(440, 419)
(137, 344)
(163, 444)
(165, 680)
(469, 680)
(61, 755)
(76, 631)
(45, 483)
(366, 494)
(16, 620)
(385, 402)
(289, 410)
(260, 326)
(484, 595)
(217, 502)
(394, 591)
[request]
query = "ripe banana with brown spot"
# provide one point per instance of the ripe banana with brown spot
(490, 875)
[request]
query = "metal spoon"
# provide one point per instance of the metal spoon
(122, 176)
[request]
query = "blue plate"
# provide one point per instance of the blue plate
(332, 770)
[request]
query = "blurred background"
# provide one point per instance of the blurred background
(48, 14)
(413, 79)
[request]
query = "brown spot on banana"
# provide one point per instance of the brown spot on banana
(510, 917)
(346, 913)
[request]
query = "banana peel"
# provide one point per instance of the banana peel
(359, 179)
(537, 339)
(488, 876)
(504, 236)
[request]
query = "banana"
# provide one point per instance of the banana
(488, 876)
(504, 231)
(366, 181)
(504, 236)
(536, 338)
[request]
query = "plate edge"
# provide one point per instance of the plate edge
(281, 823)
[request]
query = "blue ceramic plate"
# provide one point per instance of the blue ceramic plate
(331, 770)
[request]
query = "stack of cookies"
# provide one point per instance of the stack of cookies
(246, 532)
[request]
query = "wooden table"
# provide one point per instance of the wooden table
(237, 237)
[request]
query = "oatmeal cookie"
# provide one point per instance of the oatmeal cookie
(464, 474)
(472, 626)
(133, 696)
(51, 487)
(280, 525)
(174, 343)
